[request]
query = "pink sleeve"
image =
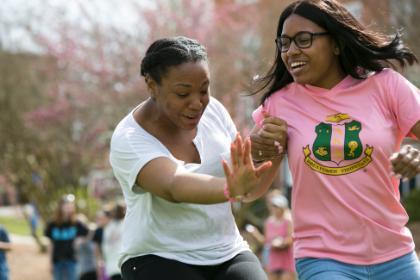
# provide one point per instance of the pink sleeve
(258, 116)
(404, 101)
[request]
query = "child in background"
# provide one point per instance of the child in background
(277, 254)
(278, 236)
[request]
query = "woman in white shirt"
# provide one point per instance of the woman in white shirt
(167, 155)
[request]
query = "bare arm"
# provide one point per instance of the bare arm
(5, 246)
(255, 233)
(162, 177)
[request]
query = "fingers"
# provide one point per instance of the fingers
(406, 163)
(247, 158)
(260, 170)
(226, 169)
(269, 142)
(273, 122)
(261, 142)
(236, 150)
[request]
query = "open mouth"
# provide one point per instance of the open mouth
(193, 117)
(296, 65)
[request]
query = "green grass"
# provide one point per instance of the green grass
(15, 225)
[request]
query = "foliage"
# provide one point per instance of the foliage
(412, 205)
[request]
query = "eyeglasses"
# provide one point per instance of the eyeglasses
(303, 40)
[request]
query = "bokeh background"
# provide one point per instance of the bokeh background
(69, 71)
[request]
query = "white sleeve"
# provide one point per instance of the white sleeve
(129, 153)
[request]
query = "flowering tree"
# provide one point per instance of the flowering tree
(85, 78)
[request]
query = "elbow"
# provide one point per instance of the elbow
(172, 195)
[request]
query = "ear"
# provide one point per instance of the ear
(151, 86)
(336, 49)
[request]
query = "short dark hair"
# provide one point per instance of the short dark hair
(362, 51)
(167, 52)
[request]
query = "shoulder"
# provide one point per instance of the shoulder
(129, 136)
(387, 75)
(216, 107)
(124, 130)
(216, 112)
(393, 83)
(283, 92)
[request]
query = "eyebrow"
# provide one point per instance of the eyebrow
(182, 85)
(188, 85)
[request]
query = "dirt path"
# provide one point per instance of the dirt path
(26, 262)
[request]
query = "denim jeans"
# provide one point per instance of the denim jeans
(65, 270)
(406, 267)
(4, 271)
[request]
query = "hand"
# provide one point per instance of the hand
(406, 163)
(279, 243)
(270, 141)
(242, 177)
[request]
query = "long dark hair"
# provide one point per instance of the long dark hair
(362, 51)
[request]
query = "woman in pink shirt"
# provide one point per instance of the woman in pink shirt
(345, 115)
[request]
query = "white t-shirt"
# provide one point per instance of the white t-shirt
(190, 233)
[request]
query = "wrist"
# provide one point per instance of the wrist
(228, 195)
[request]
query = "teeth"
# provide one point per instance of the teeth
(297, 64)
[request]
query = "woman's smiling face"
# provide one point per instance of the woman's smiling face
(317, 65)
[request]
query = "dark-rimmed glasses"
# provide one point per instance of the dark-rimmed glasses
(302, 39)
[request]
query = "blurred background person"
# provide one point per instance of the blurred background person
(85, 251)
(277, 254)
(102, 219)
(5, 246)
(62, 231)
(111, 242)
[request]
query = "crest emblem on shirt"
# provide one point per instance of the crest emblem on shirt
(337, 142)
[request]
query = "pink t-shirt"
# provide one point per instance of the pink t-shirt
(345, 203)
(278, 259)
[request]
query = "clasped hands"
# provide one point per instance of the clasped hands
(270, 140)
(268, 143)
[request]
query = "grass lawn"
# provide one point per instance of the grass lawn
(15, 225)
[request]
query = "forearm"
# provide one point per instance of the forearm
(164, 179)
(197, 188)
(5, 246)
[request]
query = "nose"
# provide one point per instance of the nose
(293, 49)
(196, 103)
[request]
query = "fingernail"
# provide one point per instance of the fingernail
(280, 149)
(405, 179)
